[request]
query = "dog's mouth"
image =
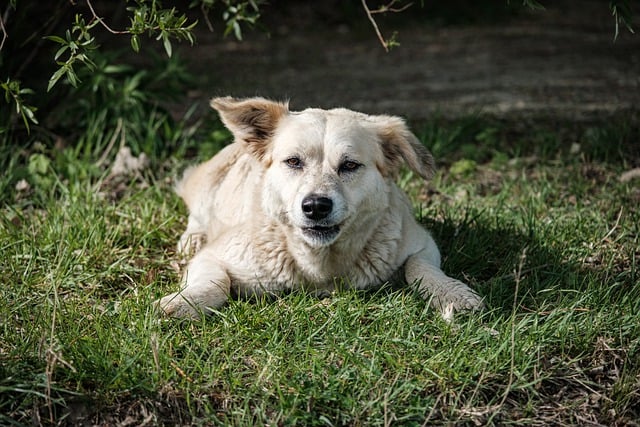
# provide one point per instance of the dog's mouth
(322, 233)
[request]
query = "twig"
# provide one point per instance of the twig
(52, 357)
(614, 227)
(101, 21)
(382, 9)
(388, 420)
(427, 419)
(389, 8)
(518, 277)
(205, 13)
(467, 409)
(3, 30)
(375, 26)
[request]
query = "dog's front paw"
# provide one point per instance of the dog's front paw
(464, 298)
(458, 297)
(176, 305)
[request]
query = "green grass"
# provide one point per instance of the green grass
(548, 237)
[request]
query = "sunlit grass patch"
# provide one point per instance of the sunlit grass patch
(547, 236)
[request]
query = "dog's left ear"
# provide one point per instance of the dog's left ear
(252, 120)
(400, 145)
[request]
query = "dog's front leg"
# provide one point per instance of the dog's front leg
(193, 238)
(206, 286)
(445, 293)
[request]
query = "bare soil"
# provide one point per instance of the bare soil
(561, 63)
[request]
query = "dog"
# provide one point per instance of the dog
(306, 200)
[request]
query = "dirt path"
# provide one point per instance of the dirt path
(551, 64)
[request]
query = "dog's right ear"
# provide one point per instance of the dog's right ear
(252, 121)
(400, 145)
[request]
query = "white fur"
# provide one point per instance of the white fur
(247, 230)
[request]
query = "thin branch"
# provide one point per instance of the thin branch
(3, 19)
(101, 21)
(4, 33)
(518, 277)
(386, 44)
(389, 8)
(205, 13)
(613, 228)
(375, 26)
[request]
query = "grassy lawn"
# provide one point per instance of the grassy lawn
(536, 220)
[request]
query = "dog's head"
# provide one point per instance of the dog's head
(327, 172)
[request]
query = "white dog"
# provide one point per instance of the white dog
(306, 200)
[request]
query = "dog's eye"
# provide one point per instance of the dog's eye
(294, 162)
(349, 166)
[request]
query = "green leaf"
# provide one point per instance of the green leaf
(167, 44)
(237, 30)
(29, 112)
(55, 77)
(26, 91)
(622, 14)
(38, 164)
(72, 77)
(115, 69)
(533, 5)
(56, 39)
(60, 51)
(135, 43)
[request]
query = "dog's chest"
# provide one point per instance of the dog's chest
(271, 264)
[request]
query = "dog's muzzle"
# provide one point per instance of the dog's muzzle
(317, 208)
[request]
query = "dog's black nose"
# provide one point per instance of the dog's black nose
(317, 207)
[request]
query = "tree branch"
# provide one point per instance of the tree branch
(389, 8)
(101, 21)
(2, 28)
(375, 25)
(386, 44)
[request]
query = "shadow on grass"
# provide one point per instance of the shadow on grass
(493, 257)
(492, 251)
